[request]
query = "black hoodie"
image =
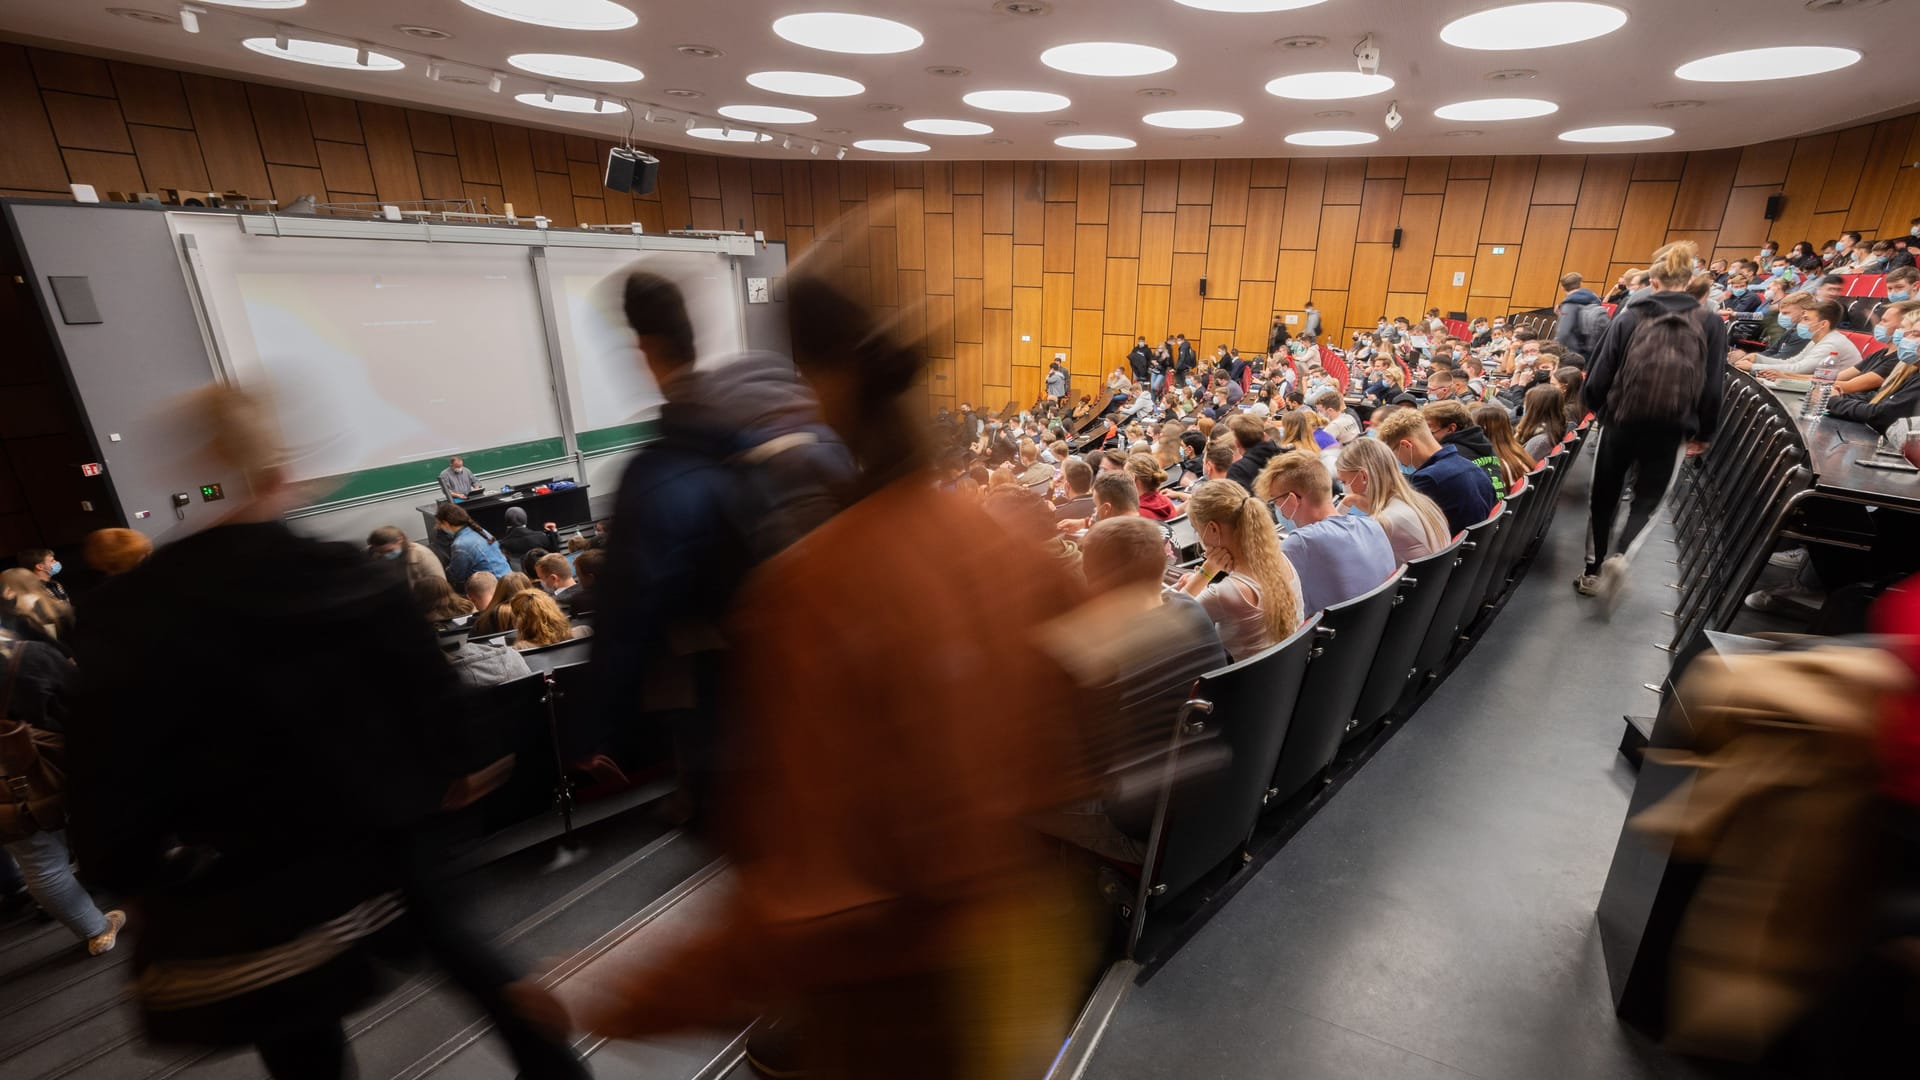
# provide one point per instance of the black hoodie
(1244, 471)
(1474, 445)
(1604, 366)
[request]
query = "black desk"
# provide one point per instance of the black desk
(563, 508)
(1835, 450)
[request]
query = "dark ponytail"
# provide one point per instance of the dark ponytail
(457, 516)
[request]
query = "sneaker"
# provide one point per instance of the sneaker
(1587, 584)
(102, 942)
(1613, 579)
(1786, 600)
(1789, 559)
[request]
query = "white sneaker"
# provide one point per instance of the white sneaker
(1789, 559)
(1790, 599)
(1613, 581)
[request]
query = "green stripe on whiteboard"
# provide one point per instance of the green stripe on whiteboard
(395, 478)
(617, 438)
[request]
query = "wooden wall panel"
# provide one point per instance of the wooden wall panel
(1075, 256)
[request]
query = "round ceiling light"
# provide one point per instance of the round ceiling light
(1095, 142)
(767, 114)
(563, 14)
(1763, 65)
(1332, 138)
(1108, 58)
(891, 146)
(714, 134)
(1249, 6)
(1616, 133)
(575, 68)
(1532, 26)
(804, 84)
(1329, 85)
(322, 54)
(948, 127)
(1496, 109)
(1021, 101)
(570, 103)
(837, 31)
(1194, 119)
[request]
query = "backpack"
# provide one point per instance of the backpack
(33, 781)
(785, 486)
(1662, 371)
(1589, 328)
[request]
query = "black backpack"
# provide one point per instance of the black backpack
(1589, 327)
(1662, 370)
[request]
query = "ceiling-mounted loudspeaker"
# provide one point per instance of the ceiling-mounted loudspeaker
(1203, 286)
(632, 170)
(1396, 236)
(1775, 204)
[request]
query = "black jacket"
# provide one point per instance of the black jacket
(1276, 337)
(1186, 360)
(1244, 471)
(1604, 366)
(1141, 361)
(1903, 402)
(244, 814)
(520, 539)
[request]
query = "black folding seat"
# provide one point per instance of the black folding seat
(1392, 672)
(1242, 708)
(1474, 549)
(1350, 634)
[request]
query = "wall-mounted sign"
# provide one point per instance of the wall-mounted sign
(92, 468)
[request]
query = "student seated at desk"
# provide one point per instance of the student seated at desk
(1337, 556)
(538, 620)
(1818, 326)
(497, 616)
(556, 576)
(419, 561)
(520, 538)
(438, 602)
(473, 547)
(1891, 329)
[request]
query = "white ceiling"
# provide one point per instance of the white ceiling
(1224, 61)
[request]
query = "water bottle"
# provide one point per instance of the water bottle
(1823, 379)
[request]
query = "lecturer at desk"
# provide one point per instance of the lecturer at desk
(458, 484)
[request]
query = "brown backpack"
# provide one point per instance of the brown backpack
(33, 784)
(1663, 369)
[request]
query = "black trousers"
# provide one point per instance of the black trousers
(1655, 451)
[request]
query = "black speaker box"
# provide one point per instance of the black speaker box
(1396, 236)
(1775, 203)
(1203, 286)
(632, 170)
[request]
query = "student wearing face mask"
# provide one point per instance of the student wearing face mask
(1336, 556)
(417, 561)
(1897, 398)
(45, 567)
(1257, 602)
(1741, 296)
(1826, 347)
(1789, 343)
(1873, 371)
(1462, 489)
(1866, 311)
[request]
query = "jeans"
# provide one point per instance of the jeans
(1655, 450)
(43, 862)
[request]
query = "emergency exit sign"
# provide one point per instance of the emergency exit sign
(92, 468)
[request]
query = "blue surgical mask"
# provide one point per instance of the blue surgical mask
(1880, 333)
(394, 554)
(1896, 297)
(1786, 321)
(1909, 348)
(1739, 290)
(53, 568)
(1804, 332)
(1408, 469)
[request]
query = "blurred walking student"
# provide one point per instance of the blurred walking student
(890, 900)
(272, 831)
(1655, 382)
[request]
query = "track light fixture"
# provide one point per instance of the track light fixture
(841, 155)
(494, 82)
(360, 54)
(280, 38)
(190, 18)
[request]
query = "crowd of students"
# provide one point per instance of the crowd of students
(789, 554)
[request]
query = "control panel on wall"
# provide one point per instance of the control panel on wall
(211, 493)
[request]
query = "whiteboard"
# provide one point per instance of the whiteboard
(377, 352)
(608, 383)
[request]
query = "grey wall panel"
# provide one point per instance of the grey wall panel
(145, 352)
(767, 323)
